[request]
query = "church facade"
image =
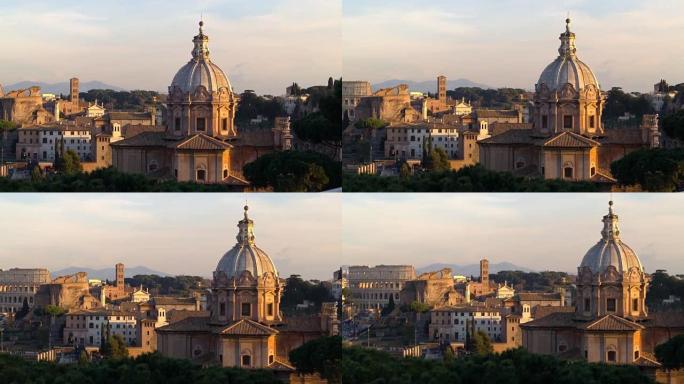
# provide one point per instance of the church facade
(200, 142)
(567, 139)
(246, 327)
(611, 323)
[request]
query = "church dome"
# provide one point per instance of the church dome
(200, 70)
(567, 68)
(245, 255)
(610, 250)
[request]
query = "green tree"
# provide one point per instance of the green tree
(293, 171)
(320, 355)
(405, 170)
(418, 307)
(23, 311)
(114, 347)
(671, 353)
(371, 123)
(297, 290)
(467, 179)
(68, 164)
(655, 170)
(436, 160)
(479, 343)
(673, 125)
(389, 307)
(36, 174)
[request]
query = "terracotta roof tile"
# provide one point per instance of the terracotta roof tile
(144, 139)
(612, 323)
(569, 139)
(248, 327)
(552, 320)
(201, 141)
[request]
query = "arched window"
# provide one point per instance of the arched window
(246, 361)
(201, 175)
(612, 356)
(225, 173)
(568, 170)
(153, 166)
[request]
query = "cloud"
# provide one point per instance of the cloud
(136, 45)
(508, 43)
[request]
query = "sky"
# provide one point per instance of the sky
(170, 233)
(261, 45)
(628, 43)
(314, 234)
(537, 231)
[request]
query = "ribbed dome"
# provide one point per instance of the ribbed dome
(245, 255)
(200, 70)
(196, 73)
(567, 68)
(610, 250)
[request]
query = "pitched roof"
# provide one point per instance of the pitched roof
(144, 139)
(189, 324)
(497, 128)
(129, 115)
(647, 360)
(612, 323)
(512, 136)
(248, 327)
(540, 311)
(200, 141)
(552, 320)
(569, 139)
(492, 113)
(171, 300)
(536, 296)
(602, 176)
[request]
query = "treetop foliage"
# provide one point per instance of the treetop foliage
(655, 170)
(294, 171)
(468, 179)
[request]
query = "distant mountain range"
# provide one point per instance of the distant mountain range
(428, 85)
(106, 273)
(473, 269)
(62, 87)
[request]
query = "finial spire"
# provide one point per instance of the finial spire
(610, 224)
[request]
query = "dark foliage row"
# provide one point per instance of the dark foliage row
(468, 179)
(168, 285)
(364, 366)
(297, 290)
(146, 369)
(294, 171)
(655, 170)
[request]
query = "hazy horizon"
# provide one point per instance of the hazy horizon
(547, 231)
(628, 43)
(171, 233)
(141, 45)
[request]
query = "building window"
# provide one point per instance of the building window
(224, 124)
(567, 121)
(611, 305)
(592, 122)
(568, 172)
(587, 305)
(177, 124)
(246, 360)
(636, 355)
(225, 173)
(593, 171)
(612, 356)
(545, 122)
(635, 305)
(246, 309)
(222, 309)
(271, 359)
(562, 348)
(201, 124)
(269, 309)
(201, 175)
